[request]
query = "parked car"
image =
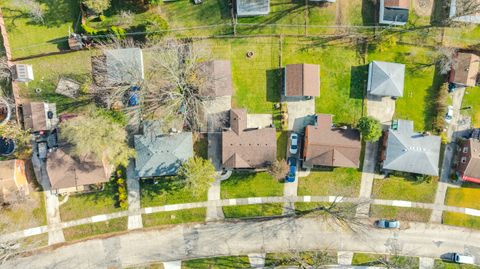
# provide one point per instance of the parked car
(449, 115)
(460, 258)
(292, 163)
(387, 224)
(293, 143)
(42, 150)
(132, 98)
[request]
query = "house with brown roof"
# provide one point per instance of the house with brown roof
(13, 181)
(325, 145)
(465, 70)
(38, 116)
(247, 148)
(301, 80)
(218, 74)
(394, 12)
(68, 173)
(467, 162)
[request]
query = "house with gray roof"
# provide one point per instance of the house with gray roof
(408, 151)
(160, 154)
(248, 8)
(386, 79)
(118, 67)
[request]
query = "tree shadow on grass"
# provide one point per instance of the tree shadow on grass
(358, 81)
(274, 84)
(59, 12)
(431, 97)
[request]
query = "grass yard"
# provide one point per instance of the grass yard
(90, 204)
(200, 146)
(369, 259)
(277, 260)
(244, 185)
(465, 36)
(248, 211)
(340, 181)
(218, 263)
(49, 69)
(400, 213)
(174, 217)
(462, 220)
(471, 98)
(167, 190)
(30, 38)
(342, 82)
(401, 188)
(93, 229)
(282, 142)
(28, 214)
(467, 196)
(448, 265)
(420, 82)
(34, 242)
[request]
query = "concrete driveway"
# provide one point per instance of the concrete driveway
(301, 112)
(381, 108)
(259, 120)
(241, 238)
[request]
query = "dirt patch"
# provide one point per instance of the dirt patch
(423, 7)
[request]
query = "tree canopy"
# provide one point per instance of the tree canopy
(370, 128)
(98, 6)
(198, 173)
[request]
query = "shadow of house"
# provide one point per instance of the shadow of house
(440, 12)
(274, 85)
(358, 81)
(369, 13)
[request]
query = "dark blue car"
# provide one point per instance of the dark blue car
(133, 96)
(292, 162)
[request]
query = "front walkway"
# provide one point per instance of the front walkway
(214, 212)
(133, 187)
(368, 173)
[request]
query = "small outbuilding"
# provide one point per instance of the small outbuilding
(38, 116)
(394, 12)
(119, 67)
(302, 80)
(23, 73)
(249, 8)
(386, 79)
(218, 77)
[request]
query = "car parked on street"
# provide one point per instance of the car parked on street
(293, 143)
(292, 163)
(387, 224)
(461, 258)
(449, 115)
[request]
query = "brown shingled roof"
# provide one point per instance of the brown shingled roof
(66, 171)
(35, 116)
(397, 3)
(327, 146)
(247, 148)
(219, 73)
(466, 70)
(471, 168)
(302, 80)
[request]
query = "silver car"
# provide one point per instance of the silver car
(387, 224)
(294, 143)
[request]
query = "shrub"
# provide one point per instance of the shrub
(89, 30)
(278, 169)
(118, 32)
(155, 27)
(440, 108)
(370, 128)
(102, 17)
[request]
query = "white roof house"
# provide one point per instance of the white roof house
(23, 73)
(386, 79)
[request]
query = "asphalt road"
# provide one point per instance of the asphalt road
(217, 239)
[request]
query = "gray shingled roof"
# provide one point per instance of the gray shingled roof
(386, 79)
(412, 152)
(247, 8)
(161, 154)
(124, 66)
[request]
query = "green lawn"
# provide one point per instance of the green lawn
(200, 147)
(471, 97)
(93, 229)
(467, 196)
(318, 258)
(439, 264)
(340, 181)
(462, 220)
(342, 82)
(28, 214)
(30, 38)
(282, 142)
(167, 190)
(369, 259)
(90, 204)
(218, 263)
(400, 213)
(408, 189)
(174, 217)
(419, 78)
(244, 185)
(464, 36)
(248, 211)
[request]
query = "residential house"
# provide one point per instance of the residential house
(218, 75)
(465, 70)
(468, 160)
(38, 117)
(248, 8)
(465, 11)
(23, 73)
(68, 173)
(394, 12)
(386, 79)
(301, 80)
(408, 151)
(119, 67)
(247, 148)
(13, 181)
(160, 154)
(326, 145)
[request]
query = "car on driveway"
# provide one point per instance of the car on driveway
(293, 143)
(292, 171)
(449, 115)
(387, 224)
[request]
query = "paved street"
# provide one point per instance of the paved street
(242, 238)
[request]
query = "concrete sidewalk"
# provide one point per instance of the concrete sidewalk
(133, 188)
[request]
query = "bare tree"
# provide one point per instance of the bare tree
(304, 259)
(34, 9)
(446, 59)
(8, 250)
(278, 169)
(5, 70)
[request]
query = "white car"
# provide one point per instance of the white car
(294, 143)
(465, 259)
(449, 115)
